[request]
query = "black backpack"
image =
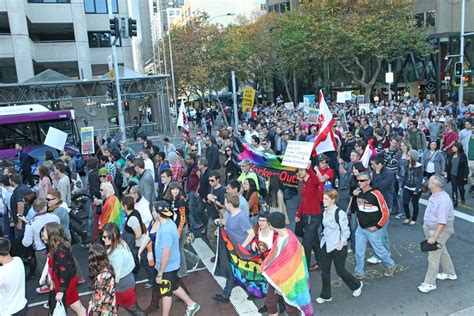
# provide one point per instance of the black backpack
(262, 184)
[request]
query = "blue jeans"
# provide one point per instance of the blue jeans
(375, 239)
(193, 205)
(229, 285)
(385, 239)
(401, 210)
(353, 230)
(200, 215)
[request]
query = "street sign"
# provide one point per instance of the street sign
(389, 77)
(136, 97)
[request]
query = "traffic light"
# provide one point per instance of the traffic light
(114, 27)
(126, 105)
(457, 81)
(110, 91)
(458, 69)
(132, 27)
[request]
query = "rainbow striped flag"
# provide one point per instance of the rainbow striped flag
(288, 274)
(112, 213)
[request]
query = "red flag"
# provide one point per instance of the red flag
(324, 140)
(365, 159)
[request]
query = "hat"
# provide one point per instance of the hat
(163, 208)
(245, 162)
(414, 154)
(103, 171)
(276, 219)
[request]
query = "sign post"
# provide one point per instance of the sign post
(389, 80)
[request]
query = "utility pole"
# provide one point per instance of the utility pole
(234, 95)
(461, 54)
(121, 118)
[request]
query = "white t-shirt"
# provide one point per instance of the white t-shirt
(149, 166)
(12, 287)
(280, 242)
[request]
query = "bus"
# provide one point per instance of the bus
(29, 124)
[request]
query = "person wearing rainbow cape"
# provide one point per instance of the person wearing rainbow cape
(286, 271)
(111, 208)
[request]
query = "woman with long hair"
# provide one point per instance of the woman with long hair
(412, 187)
(405, 147)
(250, 193)
(433, 160)
(123, 263)
(45, 183)
(102, 275)
(61, 269)
(232, 170)
(334, 248)
(146, 254)
(276, 197)
(457, 172)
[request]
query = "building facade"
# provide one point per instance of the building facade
(71, 37)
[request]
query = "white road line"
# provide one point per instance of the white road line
(459, 214)
(238, 297)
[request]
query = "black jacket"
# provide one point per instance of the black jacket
(212, 156)
(463, 168)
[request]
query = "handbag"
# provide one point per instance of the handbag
(299, 230)
(59, 310)
(425, 246)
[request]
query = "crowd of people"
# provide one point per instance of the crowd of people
(147, 205)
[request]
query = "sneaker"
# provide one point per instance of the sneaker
(399, 216)
(445, 276)
(357, 292)
(42, 289)
(46, 305)
(350, 250)
(411, 223)
(390, 271)
(190, 311)
(406, 221)
(81, 280)
(373, 260)
(425, 287)
(321, 300)
(148, 285)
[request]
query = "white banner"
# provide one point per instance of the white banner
(297, 154)
(55, 138)
(344, 96)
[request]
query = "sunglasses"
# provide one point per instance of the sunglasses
(193, 150)
(210, 180)
(50, 199)
(103, 176)
(363, 180)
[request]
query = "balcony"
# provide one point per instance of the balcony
(49, 12)
(53, 51)
(6, 46)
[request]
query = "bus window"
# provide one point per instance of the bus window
(64, 126)
(22, 133)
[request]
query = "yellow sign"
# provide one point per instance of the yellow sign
(248, 97)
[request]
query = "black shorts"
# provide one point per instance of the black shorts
(169, 283)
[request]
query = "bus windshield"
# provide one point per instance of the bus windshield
(31, 127)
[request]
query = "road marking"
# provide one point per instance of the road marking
(459, 214)
(238, 297)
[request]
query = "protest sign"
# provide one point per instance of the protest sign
(365, 107)
(55, 138)
(87, 140)
(343, 120)
(297, 154)
(313, 115)
(289, 105)
(309, 98)
(344, 96)
(248, 97)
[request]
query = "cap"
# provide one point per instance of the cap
(163, 208)
(103, 171)
(245, 162)
(276, 219)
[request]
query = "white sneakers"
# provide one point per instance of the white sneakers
(321, 300)
(425, 287)
(357, 292)
(373, 260)
(445, 276)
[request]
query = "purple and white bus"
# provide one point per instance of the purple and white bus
(29, 124)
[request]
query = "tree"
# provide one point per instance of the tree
(356, 33)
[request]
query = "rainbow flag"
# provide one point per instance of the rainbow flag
(112, 213)
(288, 274)
(243, 265)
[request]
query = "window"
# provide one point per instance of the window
(99, 6)
(49, 1)
(99, 39)
(419, 19)
(425, 19)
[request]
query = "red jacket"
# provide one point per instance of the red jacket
(310, 203)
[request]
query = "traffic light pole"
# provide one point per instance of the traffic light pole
(461, 54)
(121, 117)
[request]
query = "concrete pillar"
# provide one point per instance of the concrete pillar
(20, 39)
(82, 41)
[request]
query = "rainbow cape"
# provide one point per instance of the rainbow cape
(112, 213)
(288, 274)
(244, 266)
